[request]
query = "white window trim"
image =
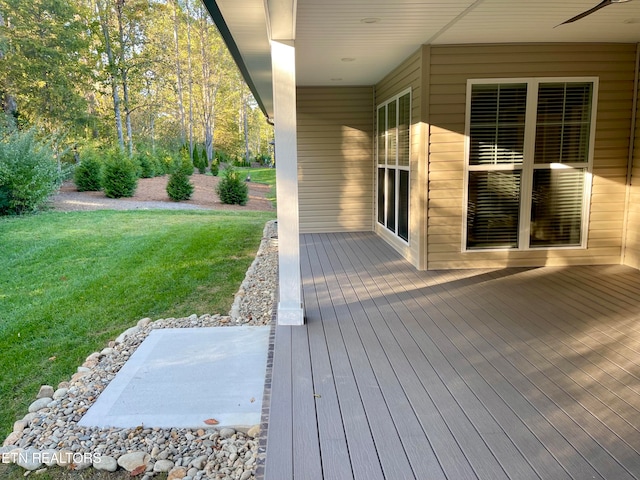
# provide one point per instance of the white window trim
(397, 167)
(533, 84)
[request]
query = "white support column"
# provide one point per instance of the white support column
(290, 309)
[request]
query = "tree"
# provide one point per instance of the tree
(103, 14)
(145, 75)
(44, 68)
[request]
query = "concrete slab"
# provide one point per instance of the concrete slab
(180, 377)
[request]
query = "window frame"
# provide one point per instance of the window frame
(384, 164)
(528, 164)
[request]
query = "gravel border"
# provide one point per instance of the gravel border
(49, 435)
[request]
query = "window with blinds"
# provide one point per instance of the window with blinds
(393, 140)
(528, 161)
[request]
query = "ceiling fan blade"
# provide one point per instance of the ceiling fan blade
(602, 4)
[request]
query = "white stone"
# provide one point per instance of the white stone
(30, 416)
(143, 322)
(254, 431)
(45, 391)
(39, 404)
(65, 458)
(82, 462)
(163, 466)
(199, 462)
(105, 463)
(60, 393)
(131, 461)
(50, 457)
(177, 473)
(20, 425)
(29, 459)
(128, 332)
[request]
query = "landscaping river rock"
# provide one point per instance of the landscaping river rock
(49, 434)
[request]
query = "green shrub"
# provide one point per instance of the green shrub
(179, 187)
(88, 175)
(185, 165)
(231, 189)
(199, 161)
(147, 165)
(119, 177)
(29, 174)
(240, 162)
(168, 164)
(214, 168)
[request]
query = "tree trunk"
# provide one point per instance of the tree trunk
(103, 17)
(190, 73)
(176, 26)
(124, 77)
(246, 128)
(8, 102)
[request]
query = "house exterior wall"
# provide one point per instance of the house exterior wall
(335, 159)
(450, 68)
(632, 252)
(410, 74)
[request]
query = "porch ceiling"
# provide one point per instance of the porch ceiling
(356, 42)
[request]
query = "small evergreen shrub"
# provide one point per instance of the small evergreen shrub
(147, 165)
(168, 164)
(88, 175)
(241, 162)
(119, 177)
(199, 161)
(29, 173)
(231, 189)
(185, 165)
(214, 168)
(179, 187)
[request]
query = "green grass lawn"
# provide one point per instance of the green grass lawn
(70, 282)
(266, 176)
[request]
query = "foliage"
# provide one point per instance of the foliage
(88, 175)
(266, 176)
(200, 161)
(56, 69)
(29, 174)
(168, 164)
(215, 169)
(43, 66)
(185, 165)
(105, 270)
(147, 165)
(241, 162)
(120, 177)
(222, 157)
(179, 187)
(263, 159)
(231, 189)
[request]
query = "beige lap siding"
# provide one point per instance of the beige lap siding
(335, 152)
(632, 253)
(451, 67)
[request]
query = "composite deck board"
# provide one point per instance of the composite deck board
(523, 373)
(363, 456)
(384, 428)
(576, 336)
(419, 387)
(331, 434)
(469, 372)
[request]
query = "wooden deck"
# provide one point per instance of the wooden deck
(520, 373)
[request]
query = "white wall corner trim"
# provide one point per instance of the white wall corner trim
(290, 308)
